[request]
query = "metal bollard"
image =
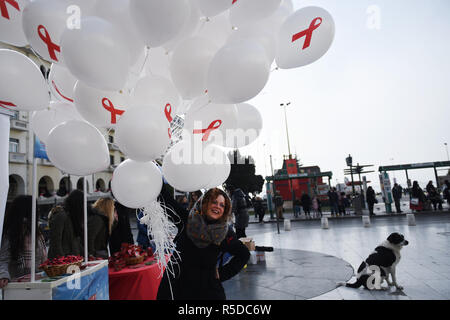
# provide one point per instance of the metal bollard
(324, 223)
(287, 225)
(366, 221)
(411, 219)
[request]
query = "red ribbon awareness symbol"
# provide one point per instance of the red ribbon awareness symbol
(59, 92)
(168, 111)
(52, 47)
(5, 104)
(4, 9)
(234, 1)
(212, 126)
(308, 33)
(108, 105)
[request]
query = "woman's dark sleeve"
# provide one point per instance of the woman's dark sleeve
(240, 254)
(170, 201)
(56, 234)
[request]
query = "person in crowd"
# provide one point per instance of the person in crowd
(278, 202)
(417, 197)
(446, 191)
(297, 208)
(306, 204)
(203, 235)
(15, 252)
(371, 200)
(101, 221)
(66, 227)
(193, 198)
(333, 198)
(434, 196)
(397, 192)
(317, 211)
(239, 209)
(122, 231)
(258, 206)
(341, 203)
(184, 202)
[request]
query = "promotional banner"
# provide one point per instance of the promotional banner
(4, 154)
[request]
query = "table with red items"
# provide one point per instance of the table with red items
(135, 282)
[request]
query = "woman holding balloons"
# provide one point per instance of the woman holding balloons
(204, 234)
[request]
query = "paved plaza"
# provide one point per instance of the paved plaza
(424, 270)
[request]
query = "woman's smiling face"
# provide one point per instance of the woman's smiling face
(216, 208)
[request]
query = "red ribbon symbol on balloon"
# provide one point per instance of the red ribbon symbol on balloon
(212, 126)
(52, 47)
(4, 10)
(59, 92)
(5, 104)
(234, 1)
(168, 113)
(308, 32)
(108, 105)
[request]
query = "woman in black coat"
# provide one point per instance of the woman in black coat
(371, 199)
(204, 233)
(122, 231)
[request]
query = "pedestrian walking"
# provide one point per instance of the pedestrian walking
(258, 206)
(278, 201)
(317, 211)
(333, 199)
(341, 203)
(417, 197)
(434, 196)
(446, 191)
(306, 204)
(397, 192)
(239, 209)
(297, 208)
(371, 200)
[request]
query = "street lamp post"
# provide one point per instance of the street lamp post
(287, 132)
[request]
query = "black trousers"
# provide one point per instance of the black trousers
(397, 205)
(371, 208)
(240, 233)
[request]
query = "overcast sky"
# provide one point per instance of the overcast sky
(381, 95)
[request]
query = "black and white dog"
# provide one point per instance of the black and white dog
(380, 264)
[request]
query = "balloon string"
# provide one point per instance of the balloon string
(43, 64)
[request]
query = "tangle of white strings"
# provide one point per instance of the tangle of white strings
(163, 232)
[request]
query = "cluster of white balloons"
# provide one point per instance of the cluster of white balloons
(134, 65)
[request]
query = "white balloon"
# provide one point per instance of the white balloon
(143, 133)
(189, 66)
(210, 123)
(77, 147)
(22, 86)
(44, 22)
(43, 121)
(101, 108)
(304, 37)
(158, 61)
(61, 83)
(211, 8)
(191, 26)
(238, 72)
(216, 29)
(221, 172)
(254, 32)
(136, 184)
(96, 54)
(189, 167)
(248, 11)
(159, 21)
(156, 91)
(249, 125)
(11, 30)
(119, 15)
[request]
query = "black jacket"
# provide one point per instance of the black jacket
(371, 199)
(98, 234)
(195, 272)
(122, 231)
(239, 207)
(306, 200)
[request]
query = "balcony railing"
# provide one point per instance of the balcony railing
(19, 125)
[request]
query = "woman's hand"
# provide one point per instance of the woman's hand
(3, 283)
(217, 274)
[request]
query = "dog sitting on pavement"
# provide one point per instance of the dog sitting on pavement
(381, 263)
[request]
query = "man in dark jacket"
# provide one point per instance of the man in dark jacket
(397, 192)
(306, 203)
(278, 201)
(334, 201)
(371, 199)
(239, 208)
